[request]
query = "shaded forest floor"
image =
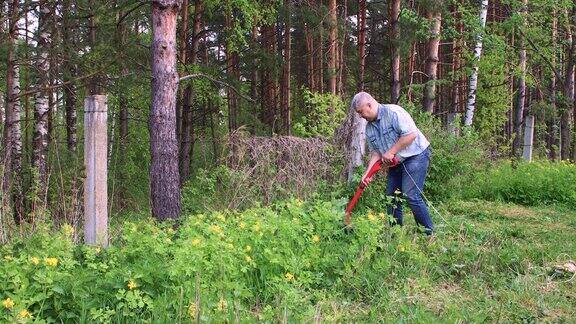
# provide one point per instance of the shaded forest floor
(488, 262)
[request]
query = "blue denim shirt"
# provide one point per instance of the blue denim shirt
(392, 123)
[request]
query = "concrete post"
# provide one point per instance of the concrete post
(95, 162)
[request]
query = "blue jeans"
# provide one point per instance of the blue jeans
(405, 177)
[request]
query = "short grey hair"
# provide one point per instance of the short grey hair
(359, 99)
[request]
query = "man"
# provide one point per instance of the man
(390, 133)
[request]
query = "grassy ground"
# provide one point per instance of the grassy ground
(489, 262)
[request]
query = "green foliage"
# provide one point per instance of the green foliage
(493, 98)
(455, 159)
(292, 261)
(537, 183)
(320, 115)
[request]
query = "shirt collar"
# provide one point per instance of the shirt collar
(379, 114)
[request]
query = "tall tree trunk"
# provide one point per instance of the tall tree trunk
(188, 125)
(568, 94)
(12, 181)
(311, 68)
(333, 46)
(93, 83)
(551, 121)
(520, 89)
(41, 109)
(341, 62)
(394, 14)
(571, 90)
(69, 68)
(361, 42)
(269, 98)
(435, 18)
(164, 177)
(473, 82)
(285, 87)
(457, 79)
(319, 50)
(181, 103)
(232, 70)
(254, 78)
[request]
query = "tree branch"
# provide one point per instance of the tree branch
(195, 75)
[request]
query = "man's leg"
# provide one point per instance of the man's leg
(394, 183)
(414, 171)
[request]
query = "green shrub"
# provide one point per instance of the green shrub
(320, 115)
(536, 183)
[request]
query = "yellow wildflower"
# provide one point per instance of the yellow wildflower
(371, 216)
(192, 310)
(51, 262)
(242, 225)
(247, 248)
(315, 238)
(230, 245)
(222, 305)
(216, 229)
(382, 216)
(67, 230)
(8, 258)
(220, 217)
(289, 276)
(248, 259)
(256, 227)
(132, 284)
(298, 202)
(196, 242)
(24, 314)
(35, 260)
(8, 303)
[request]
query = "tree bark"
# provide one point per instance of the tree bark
(473, 82)
(286, 73)
(520, 89)
(361, 42)
(70, 97)
(41, 109)
(565, 134)
(12, 181)
(394, 14)
(269, 105)
(310, 58)
(181, 103)
(552, 142)
(93, 83)
(333, 46)
(164, 177)
(232, 70)
(188, 126)
(435, 18)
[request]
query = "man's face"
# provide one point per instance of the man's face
(367, 111)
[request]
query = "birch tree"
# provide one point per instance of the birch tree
(473, 82)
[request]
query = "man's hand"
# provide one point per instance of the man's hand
(388, 157)
(365, 180)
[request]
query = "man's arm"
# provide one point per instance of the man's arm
(402, 143)
(374, 157)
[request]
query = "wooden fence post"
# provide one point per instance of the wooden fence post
(95, 162)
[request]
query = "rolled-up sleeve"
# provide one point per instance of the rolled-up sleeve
(403, 123)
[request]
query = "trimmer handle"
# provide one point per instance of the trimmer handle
(378, 165)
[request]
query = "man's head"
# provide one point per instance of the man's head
(365, 105)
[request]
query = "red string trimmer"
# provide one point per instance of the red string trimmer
(375, 168)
